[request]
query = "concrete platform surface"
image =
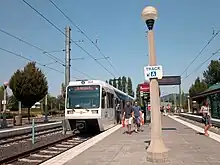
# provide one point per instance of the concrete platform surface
(186, 147)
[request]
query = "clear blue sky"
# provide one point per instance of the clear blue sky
(183, 28)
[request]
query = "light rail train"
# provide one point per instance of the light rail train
(90, 105)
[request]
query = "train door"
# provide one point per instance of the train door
(110, 108)
(104, 112)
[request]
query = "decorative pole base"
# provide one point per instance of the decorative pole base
(157, 152)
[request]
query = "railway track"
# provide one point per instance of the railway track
(44, 152)
(197, 121)
(25, 137)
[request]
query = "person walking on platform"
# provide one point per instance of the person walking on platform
(137, 117)
(127, 116)
(118, 114)
(206, 117)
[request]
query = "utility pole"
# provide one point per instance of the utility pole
(67, 57)
(46, 110)
(67, 65)
(4, 102)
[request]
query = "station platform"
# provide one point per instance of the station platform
(25, 124)
(186, 147)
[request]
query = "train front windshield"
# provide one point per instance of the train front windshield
(86, 96)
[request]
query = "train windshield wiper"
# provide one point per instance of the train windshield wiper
(81, 107)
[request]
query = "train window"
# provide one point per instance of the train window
(103, 102)
(103, 93)
(103, 98)
(110, 100)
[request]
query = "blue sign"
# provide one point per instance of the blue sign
(153, 73)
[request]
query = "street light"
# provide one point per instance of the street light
(156, 152)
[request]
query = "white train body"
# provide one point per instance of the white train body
(90, 105)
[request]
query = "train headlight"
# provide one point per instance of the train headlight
(94, 111)
(70, 111)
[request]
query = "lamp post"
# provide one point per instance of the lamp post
(188, 97)
(156, 152)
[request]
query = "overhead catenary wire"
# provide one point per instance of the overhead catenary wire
(85, 51)
(213, 54)
(83, 32)
(200, 52)
(28, 59)
(57, 60)
(34, 46)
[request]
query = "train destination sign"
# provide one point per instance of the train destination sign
(84, 88)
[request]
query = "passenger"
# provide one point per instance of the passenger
(137, 117)
(127, 116)
(206, 117)
(118, 113)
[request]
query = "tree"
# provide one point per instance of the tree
(63, 90)
(12, 103)
(114, 83)
(110, 81)
(29, 85)
(212, 74)
(51, 102)
(138, 98)
(198, 87)
(60, 102)
(124, 84)
(132, 93)
(119, 83)
(129, 87)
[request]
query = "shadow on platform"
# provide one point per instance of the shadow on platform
(169, 129)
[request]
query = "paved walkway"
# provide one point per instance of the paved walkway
(187, 147)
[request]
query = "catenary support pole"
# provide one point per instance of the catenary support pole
(4, 122)
(46, 110)
(33, 131)
(67, 65)
(67, 57)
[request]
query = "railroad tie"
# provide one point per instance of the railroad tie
(73, 141)
(49, 152)
(41, 156)
(59, 149)
(64, 145)
(69, 143)
(29, 160)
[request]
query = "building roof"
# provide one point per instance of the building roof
(211, 90)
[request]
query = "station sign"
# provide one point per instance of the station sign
(145, 87)
(153, 72)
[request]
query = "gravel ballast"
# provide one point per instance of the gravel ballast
(15, 149)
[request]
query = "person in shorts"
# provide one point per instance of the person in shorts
(206, 117)
(137, 117)
(127, 116)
